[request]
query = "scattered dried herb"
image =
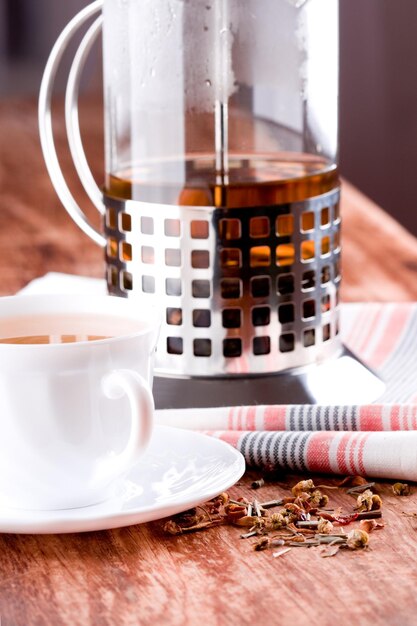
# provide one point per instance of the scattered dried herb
(352, 481)
(360, 488)
(401, 489)
(324, 526)
(247, 520)
(304, 486)
(300, 522)
(357, 539)
(280, 553)
(272, 503)
(368, 501)
(262, 544)
(332, 550)
(369, 525)
(252, 533)
(318, 499)
(257, 484)
(369, 514)
(174, 528)
(235, 512)
(340, 520)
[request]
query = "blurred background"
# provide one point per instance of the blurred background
(378, 89)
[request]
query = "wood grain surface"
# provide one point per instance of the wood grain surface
(139, 575)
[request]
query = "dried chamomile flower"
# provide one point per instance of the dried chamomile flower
(376, 502)
(277, 521)
(401, 489)
(368, 501)
(303, 486)
(357, 539)
(318, 499)
(223, 497)
(324, 527)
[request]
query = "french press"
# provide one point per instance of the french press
(221, 195)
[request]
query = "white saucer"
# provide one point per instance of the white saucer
(181, 469)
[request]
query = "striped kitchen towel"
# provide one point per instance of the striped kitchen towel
(377, 454)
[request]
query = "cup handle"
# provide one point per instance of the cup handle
(117, 384)
(45, 120)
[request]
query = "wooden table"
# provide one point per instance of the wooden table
(139, 575)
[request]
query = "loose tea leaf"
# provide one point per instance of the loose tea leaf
(368, 525)
(175, 529)
(271, 504)
(247, 520)
(235, 511)
(303, 486)
(352, 481)
(330, 551)
(360, 488)
(262, 544)
(401, 489)
(340, 520)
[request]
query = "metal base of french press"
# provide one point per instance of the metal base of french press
(344, 380)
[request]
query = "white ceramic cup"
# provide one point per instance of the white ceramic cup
(74, 417)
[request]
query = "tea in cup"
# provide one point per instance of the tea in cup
(76, 406)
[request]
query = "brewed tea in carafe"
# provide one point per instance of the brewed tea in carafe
(224, 103)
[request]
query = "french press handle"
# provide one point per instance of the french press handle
(71, 119)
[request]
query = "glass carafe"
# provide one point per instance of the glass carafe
(221, 189)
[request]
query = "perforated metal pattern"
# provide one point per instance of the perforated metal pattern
(244, 291)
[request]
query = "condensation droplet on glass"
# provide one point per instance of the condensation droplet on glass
(208, 7)
(206, 28)
(208, 82)
(153, 72)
